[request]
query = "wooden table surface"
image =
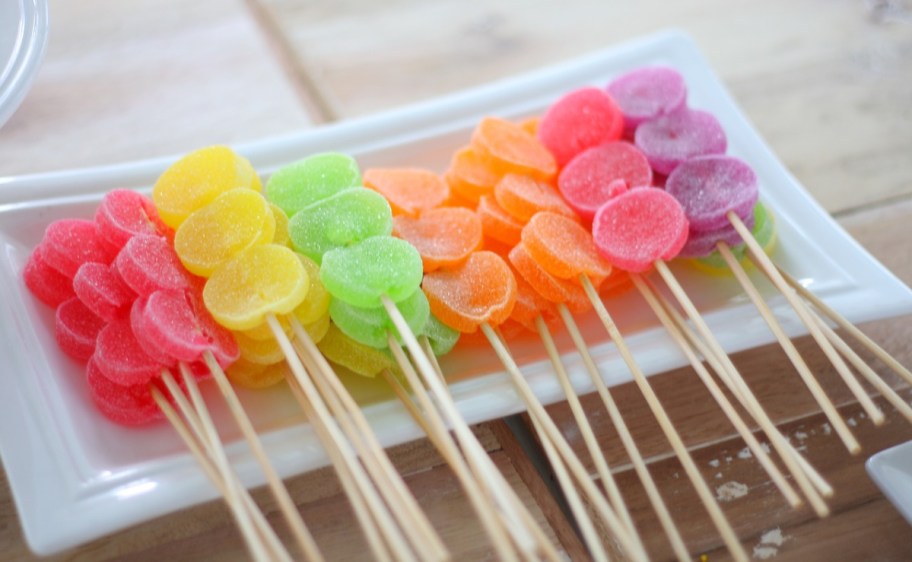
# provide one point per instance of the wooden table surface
(828, 84)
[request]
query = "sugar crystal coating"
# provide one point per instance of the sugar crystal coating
(102, 290)
(647, 93)
(564, 248)
(669, 140)
(130, 405)
(522, 197)
(410, 191)
(498, 224)
(120, 357)
(600, 173)
(359, 358)
(506, 148)
(470, 176)
(76, 329)
(551, 288)
(256, 376)
(124, 213)
(370, 326)
(260, 352)
(579, 120)
(69, 243)
(47, 284)
(312, 179)
(441, 337)
(148, 263)
(361, 273)
(444, 237)
(708, 187)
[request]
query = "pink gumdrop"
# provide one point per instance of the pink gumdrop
(69, 243)
(579, 120)
(669, 140)
(600, 173)
(76, 329)
(647, 93)
(638, 228)
(131, 405)
(47, 284)
(120, 357)
(703, 243)
(148, 263)
(101, 289)
(175, 327)
(123, 214)
(709, 187)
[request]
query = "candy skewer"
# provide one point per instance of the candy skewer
(709, 503)
(839, 425)
(766, 265)
(639, 465)
(411, 518)
(863, 338)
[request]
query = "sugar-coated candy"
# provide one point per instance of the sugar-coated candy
(506, 148)
(669, 140)
(47, 284)
(357, 357)
(702, 243)
(338, 221)
(120, 357)
(361, 273)
(647, 93)
(234, 221)
(197, 179)
(530, 305)
(410, 191)
(481, 290)
(638, 228)
(312, 179)
(318, 328)
(130, 405)
(470, 177)
(564, 248)
(370, 326)
(551, 288)
(101, 289)
(498, 224)
(441, 337)
(260, 352)
(266, 279)
(256, 376)
(76, 329)
(523, 196)
(281, 236)
(316, 304)
(444, 236)
(764, 232)
(602, 172)
(148, 263)
(124, 213)
(69, 243)
(709, 187)
(579, 120)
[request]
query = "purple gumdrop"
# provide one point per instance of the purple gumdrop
(703, 243)
(670, 140)
(709, 187)
(647, 93)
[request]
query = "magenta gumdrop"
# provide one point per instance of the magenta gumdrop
(101, 289)
(600, 173)
(647, 93)
(76, 329)
(669, 140)
(47, 284)
(579, 120)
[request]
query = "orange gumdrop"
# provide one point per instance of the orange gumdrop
(469, 176)
(550, 287)
(482, 290)
(523, 196)
(498, 224)
(616, 284)
(530, 125)
(507, 148)
(410, 191)
(530, 305)
(564, 248)
(444, 237)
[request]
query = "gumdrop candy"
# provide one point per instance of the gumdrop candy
(312, 179)
(69, 243)
(709, 187)
(361, 273)
(564, 248)
(647, 93)
(370, 326)
(600, 173)
(506, 148)
(410, 191)
(102, 290)
(148, 263)
(123, 214)
(523, 196)
(47, 284)
(669, 140)
(444, 237)
(579, 120)
(76, 329)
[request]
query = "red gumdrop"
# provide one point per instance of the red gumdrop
(603, 172)
(679, 136)
(638, 228)
(579, 120)
(647, 93)
(76, 329)
(171, 327)
(148, 263)
(120, 357)
(131, 405)
(47, 284)
(101, 289)
(69, 243)
(123, 214)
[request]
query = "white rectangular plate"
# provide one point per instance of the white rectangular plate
(891, 470)
(76, 476)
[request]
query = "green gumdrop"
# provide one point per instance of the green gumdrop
(312, 179)
(343, 219)
(370, 325)
(357, 357)
(361, 273)
(441, 337)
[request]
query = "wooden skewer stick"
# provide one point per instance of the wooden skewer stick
(617, 501)
(862, 338)
(765, 264)
(536, 410)
(788, 347)
(193, 444)
(332, 437)
(712, 350)
(405, 509)
(709, 502)
(721, 399)
(633, 452)
(302, 535)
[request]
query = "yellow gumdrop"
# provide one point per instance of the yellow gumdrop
(359, 358)
(316, 305)
(254, 376)
(235, 221)
(266, 279)
(261, 352)
(197, 179)
(317, 329)
(281, 236)
(264, 332)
